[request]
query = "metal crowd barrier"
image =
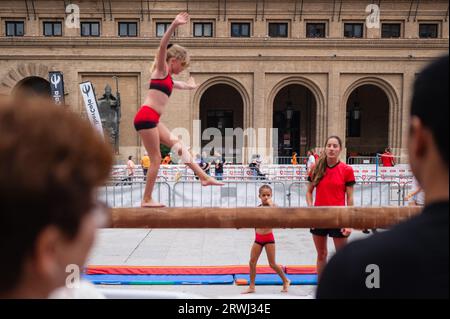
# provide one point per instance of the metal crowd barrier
(402, 179)
(365, 194)
(405, 182)
(286, 160)
(119, 179)
(233, 194)
(368, 160)
(242, 193)
(407, 188)
(228, 178)
(362, 160)
(288, 172)
(377, 193)
(129, 193)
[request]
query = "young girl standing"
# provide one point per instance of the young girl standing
(265, 239)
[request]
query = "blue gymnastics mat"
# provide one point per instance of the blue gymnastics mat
(160, 279)
(273, 280)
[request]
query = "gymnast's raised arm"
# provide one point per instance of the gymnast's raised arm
(160, 62)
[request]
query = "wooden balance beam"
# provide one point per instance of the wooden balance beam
(310, 217)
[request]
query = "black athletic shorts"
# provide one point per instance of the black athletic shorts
(324, 232)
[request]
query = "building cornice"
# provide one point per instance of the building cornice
(221, 43)
(286, 58)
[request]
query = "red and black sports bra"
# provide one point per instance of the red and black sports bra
(164, 85)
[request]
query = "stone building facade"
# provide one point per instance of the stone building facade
(309, 68)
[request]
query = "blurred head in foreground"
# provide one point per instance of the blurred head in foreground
(51, 162)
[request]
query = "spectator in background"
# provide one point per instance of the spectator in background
(316, 156)
(167, 160)
(145, 163)
(219, 169)
(294, 160)
(387, 158)
(255, 169)
(205, 165)
(130, 168)
(49, 215)
(311, 161)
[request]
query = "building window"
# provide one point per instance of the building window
(428, 30)
(202, 29)
(240, 30)
(278, 30)
(52, 29)
(390, 30)
(14, 28)
(90, 29)
(315, 30)
(127, 29)
(161, 28)
(353, 30)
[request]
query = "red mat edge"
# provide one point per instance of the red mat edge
(175, 270)
(301, 269)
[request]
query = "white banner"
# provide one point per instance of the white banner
(90, 101)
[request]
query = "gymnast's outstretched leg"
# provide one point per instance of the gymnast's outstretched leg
(178, 148)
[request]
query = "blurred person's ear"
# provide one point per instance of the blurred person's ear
(55, 251)
(421, 146)
(46, 256)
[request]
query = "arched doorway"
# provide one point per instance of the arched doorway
(222, 108)
(32, 86)
(367, 129)
(294, 115)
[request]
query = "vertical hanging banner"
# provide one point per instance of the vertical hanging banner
(56, 87)
(90, 102)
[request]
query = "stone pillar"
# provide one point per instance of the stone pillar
(335, 29)
(407, 94)
(147, 30)
(298, 29)
(336, 112)
(444, 30)
(221, 29)
(259, 112)
(259, 29)
(411, 29)
(33, 27)
(373, 33)
(108, 28)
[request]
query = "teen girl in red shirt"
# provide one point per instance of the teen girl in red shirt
(333, 181)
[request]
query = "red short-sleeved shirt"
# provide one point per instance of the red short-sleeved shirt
(387, 159)
(331, 189)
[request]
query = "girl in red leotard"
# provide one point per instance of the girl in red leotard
(264, 239)
(170, 59)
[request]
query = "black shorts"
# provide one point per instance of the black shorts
(324, 232)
